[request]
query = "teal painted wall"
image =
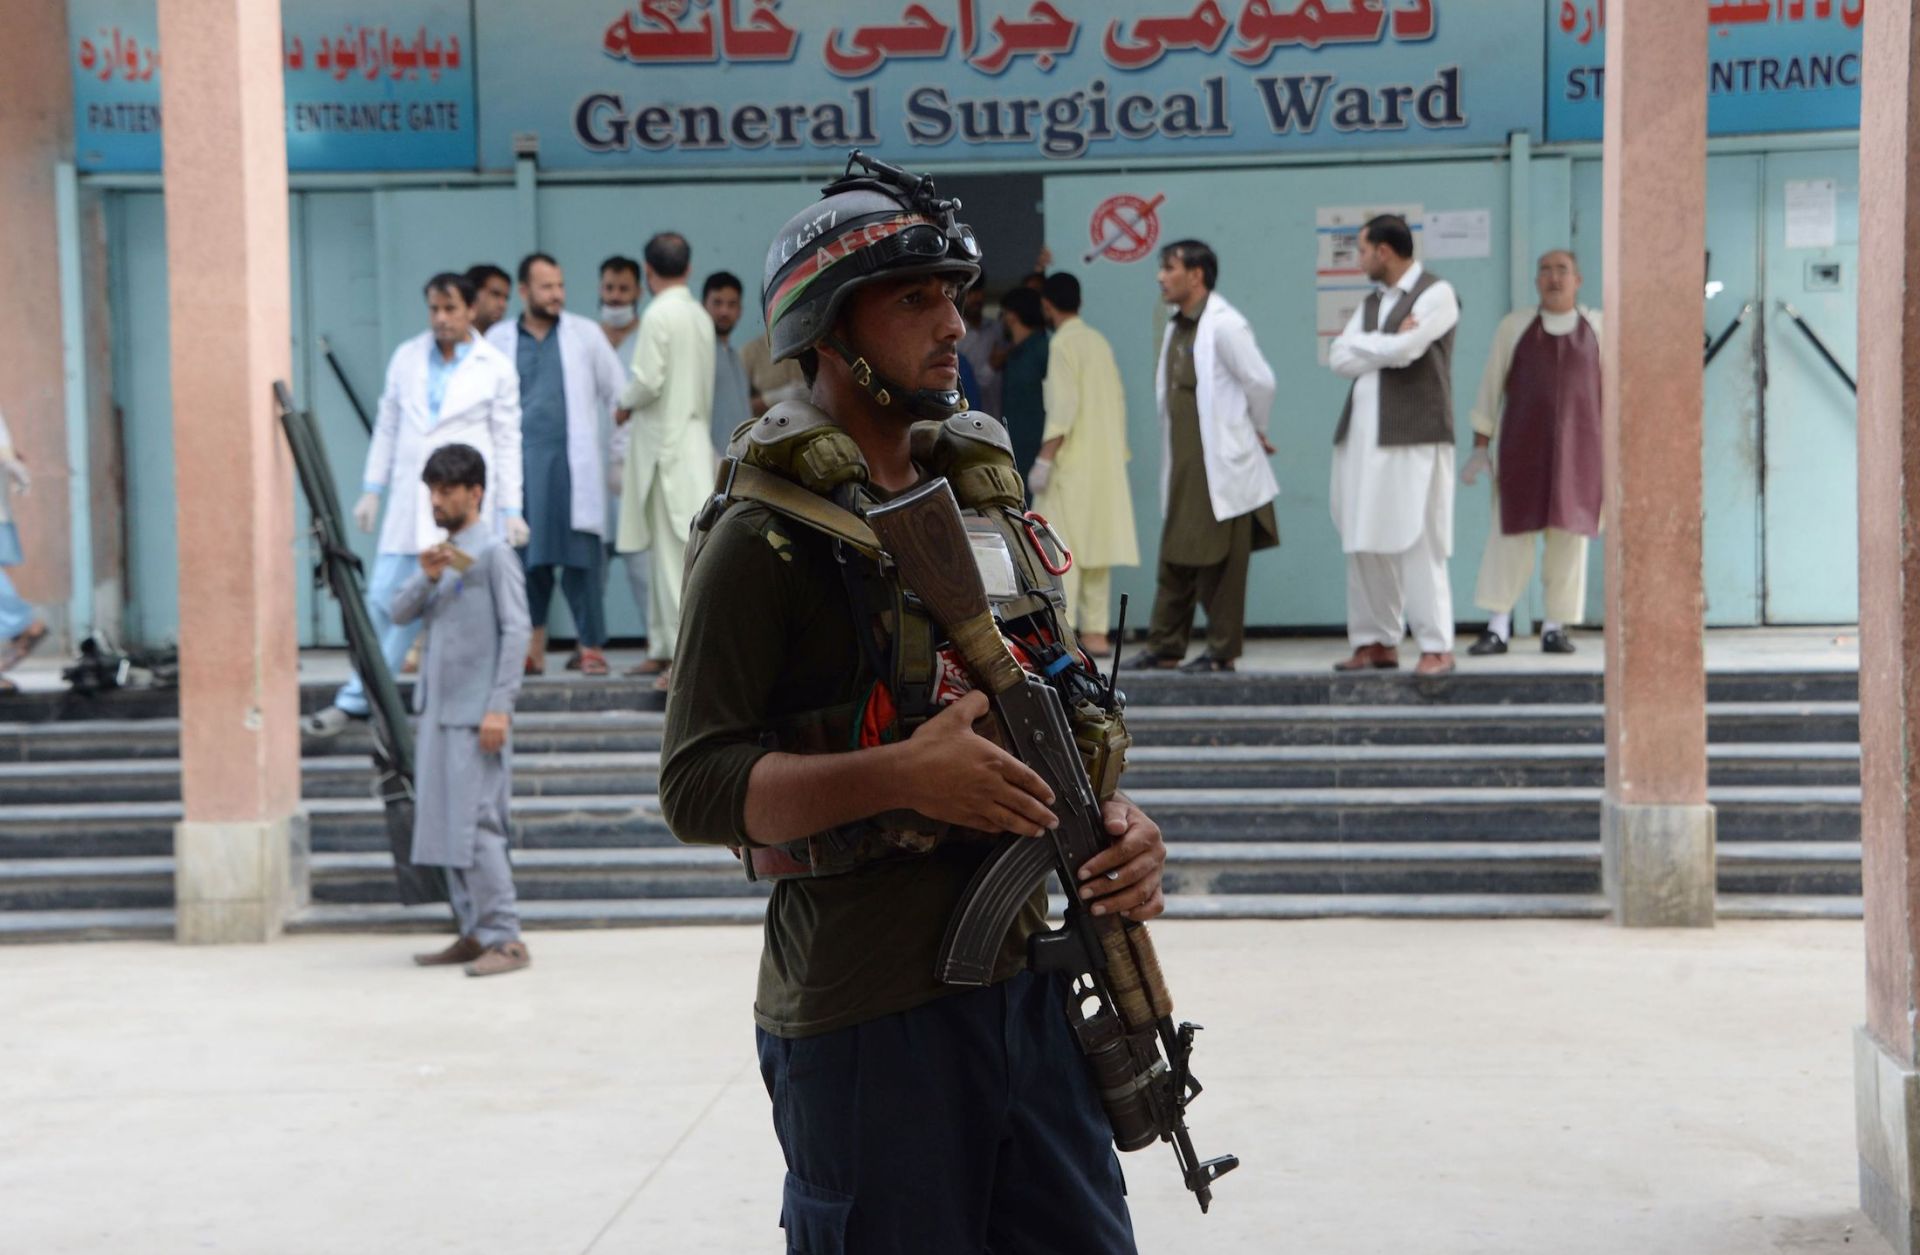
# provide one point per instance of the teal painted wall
(1779, 473)
(1262, 225)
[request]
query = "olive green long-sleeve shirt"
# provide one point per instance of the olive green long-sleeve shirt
(768, 634)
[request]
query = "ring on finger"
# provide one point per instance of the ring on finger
(1114, 874)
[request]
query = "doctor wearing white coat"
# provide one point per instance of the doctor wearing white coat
(1215, 391)
(444, 386)
(569, 381)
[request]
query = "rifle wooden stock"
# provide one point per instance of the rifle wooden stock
(927, 540)
(1144, 1093)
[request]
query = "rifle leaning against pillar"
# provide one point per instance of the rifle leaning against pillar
(1112, 961)
(338, 570)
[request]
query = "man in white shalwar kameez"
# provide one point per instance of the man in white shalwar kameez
(1392, 489)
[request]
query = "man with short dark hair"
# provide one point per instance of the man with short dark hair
(619, 315)
(720, 297)
(1216, 490)
(1079, 482)
(471, 595)
(619, 299)
(492, 289)
(669, 401)
(983, 340)
(1392, 489)
(569, 379)
(1023, 405)
(915, 1116)
(444, 386)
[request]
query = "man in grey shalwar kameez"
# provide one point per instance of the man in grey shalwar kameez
(472, 593)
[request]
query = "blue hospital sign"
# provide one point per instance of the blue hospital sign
(1772, 65)
(369, 85)
(745, 82)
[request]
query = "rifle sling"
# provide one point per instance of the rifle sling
(783, 496)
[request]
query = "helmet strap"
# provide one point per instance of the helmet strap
(919, 403)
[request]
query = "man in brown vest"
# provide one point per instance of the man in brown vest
(1392, 491)
(1541, 396)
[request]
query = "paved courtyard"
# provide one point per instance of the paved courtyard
(1528, 1086)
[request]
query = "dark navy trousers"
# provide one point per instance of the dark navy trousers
(966, 1126)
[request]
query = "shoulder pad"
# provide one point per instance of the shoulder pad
(798, 441)
(973, 452)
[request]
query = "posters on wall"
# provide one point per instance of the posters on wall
(1772, 65)
(370, 84)
(1813, 213)
(1339, 283)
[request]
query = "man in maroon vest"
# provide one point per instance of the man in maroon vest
(1392, 485)
(1540, 397)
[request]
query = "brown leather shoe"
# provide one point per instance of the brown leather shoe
(1431, 665)
(463, 950)
(509, 956)
(1371, 658)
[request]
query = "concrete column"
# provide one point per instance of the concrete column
(227, 271)
(1656, 827)
(36, 133)
(1886, 1084)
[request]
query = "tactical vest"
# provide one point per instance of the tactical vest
(796, 462)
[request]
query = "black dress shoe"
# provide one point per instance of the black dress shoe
(1556, 642)
(1489, 643)
(1206, 663)
(1149, 661)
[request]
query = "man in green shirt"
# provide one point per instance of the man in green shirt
(914, 1116)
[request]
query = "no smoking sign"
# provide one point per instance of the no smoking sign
(1124, 228)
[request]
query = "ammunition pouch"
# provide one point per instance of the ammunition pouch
(795, 461)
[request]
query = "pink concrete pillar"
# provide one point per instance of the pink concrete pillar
(227, 270)
(36, 125)
(1886, 1050)
(1657, 829)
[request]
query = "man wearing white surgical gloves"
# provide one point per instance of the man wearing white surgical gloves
(444, 386)
(1540, 396)
(1392, 490)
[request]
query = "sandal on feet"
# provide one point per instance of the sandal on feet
(23, 644)
(593, 662)
(650, 666)
(7, 686)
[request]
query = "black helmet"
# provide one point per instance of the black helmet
(875, 222)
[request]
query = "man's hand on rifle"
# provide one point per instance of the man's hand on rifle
(953, 774)
(1125, 877)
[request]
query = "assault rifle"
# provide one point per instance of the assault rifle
(1112, 961)
(338, 571)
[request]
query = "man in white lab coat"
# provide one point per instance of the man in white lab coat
(569, 378)
(444, 386)
(1214, 391)
(21, 628)
(1392, 489)
(670, 460)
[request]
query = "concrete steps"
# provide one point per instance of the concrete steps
(1282, 796)
(1388, 766)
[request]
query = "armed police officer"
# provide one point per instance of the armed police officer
(818, 724)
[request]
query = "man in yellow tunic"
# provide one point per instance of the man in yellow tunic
(669, 472)
(1080, 480)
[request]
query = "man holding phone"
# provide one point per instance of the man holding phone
(471, 593)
